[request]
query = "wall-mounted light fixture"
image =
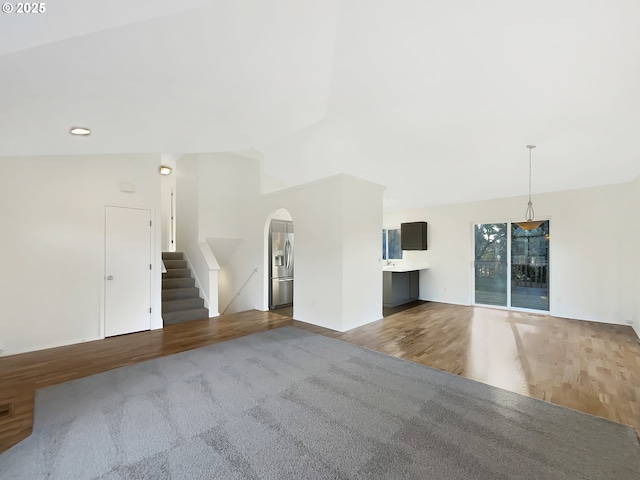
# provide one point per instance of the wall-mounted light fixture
(82, 131)
(164, 170)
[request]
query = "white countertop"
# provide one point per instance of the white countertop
(399, 267)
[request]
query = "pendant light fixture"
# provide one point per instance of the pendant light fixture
(529, 223)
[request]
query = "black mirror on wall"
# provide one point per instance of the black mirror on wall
(413, 235)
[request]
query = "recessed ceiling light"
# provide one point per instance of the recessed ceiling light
(79, 131)
(165, 170)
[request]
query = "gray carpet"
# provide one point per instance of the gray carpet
(287, 404)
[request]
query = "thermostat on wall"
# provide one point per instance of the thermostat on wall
(127, 187)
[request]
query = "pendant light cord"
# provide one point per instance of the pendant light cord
(529, 214)
(529, 174)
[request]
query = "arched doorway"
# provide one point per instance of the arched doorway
(279, 260)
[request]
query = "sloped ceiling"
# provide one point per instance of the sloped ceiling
(434, 99)
(226, 76)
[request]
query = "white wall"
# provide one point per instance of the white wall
(590, 278)
(52, 213)
(167, 185)
(337, 222)
(635, 250)
(269, 183)
(229, 188)
(361, 227)
(338, 281)
(229, 184)
(216, 194)
(187, 224)
(318, 280)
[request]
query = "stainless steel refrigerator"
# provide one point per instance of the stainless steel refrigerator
(281, 269)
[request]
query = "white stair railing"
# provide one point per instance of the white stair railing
(255, 270)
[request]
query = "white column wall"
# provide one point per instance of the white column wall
(337, 222)
(590, 249)
(361, 250)
(315, 209)
(634, 224)
(52, 215)
(318, 276)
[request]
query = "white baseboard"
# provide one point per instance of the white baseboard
(17, 351)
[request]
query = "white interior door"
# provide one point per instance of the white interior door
(127, 270)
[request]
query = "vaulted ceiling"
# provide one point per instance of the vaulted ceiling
(434, 99)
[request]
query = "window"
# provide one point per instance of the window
(391, 246)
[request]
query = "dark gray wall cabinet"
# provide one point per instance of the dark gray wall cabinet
(413, 235)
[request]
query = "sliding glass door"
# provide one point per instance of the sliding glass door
(530, 267)
(491, 268)
(511, 266)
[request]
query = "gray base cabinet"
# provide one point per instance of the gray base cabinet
(400, 287)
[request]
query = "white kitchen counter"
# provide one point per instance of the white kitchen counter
(403, 268)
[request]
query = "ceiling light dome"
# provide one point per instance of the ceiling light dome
(79, 131)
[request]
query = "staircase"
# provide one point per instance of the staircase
(181, 301)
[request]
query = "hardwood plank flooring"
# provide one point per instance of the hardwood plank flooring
(388, 311)
(587, 366)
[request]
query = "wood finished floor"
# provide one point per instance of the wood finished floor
(587, 366)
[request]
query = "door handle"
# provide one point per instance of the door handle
(110, 277)
(286, 254)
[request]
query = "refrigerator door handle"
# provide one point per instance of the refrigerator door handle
(286, 254)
